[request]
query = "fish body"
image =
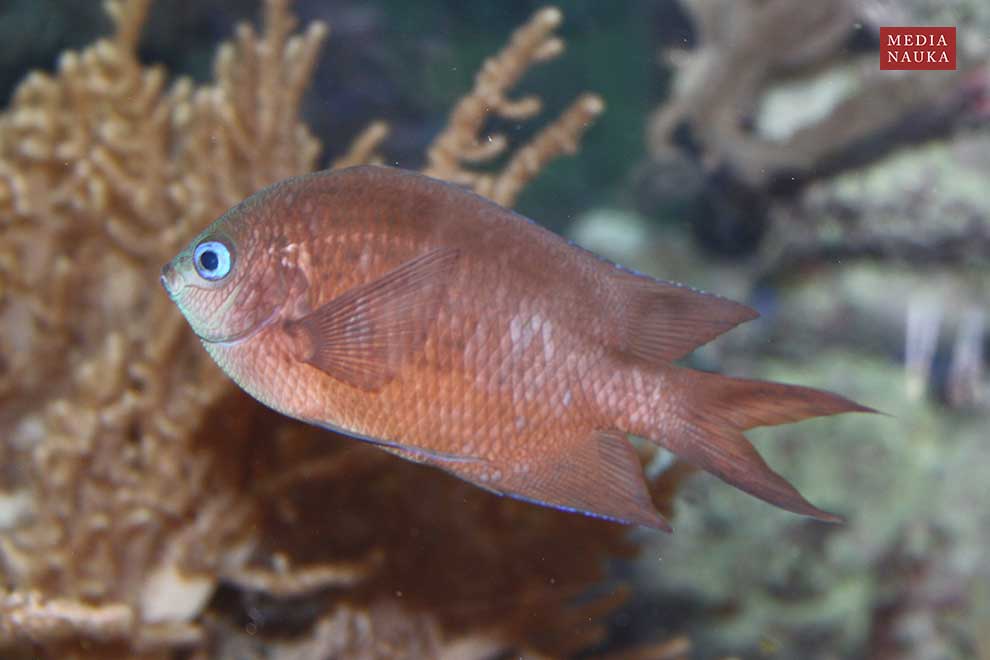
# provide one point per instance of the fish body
(418, 316)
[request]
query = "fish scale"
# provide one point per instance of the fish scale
(413, 314)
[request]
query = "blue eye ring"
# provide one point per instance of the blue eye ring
(212, 260)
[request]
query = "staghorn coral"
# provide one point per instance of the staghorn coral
(148, 505)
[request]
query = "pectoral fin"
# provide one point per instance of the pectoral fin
(363, 336)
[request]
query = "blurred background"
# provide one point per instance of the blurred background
(752, 149)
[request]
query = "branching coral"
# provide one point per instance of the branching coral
(148, 505)
(104, 173)
(461, 144)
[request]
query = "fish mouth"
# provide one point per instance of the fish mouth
(171, 280)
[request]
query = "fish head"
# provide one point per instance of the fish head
(230, 281)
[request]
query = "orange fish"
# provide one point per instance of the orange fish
(420, 317)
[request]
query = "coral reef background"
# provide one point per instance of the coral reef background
(150, 509)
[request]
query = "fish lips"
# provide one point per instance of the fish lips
(172, 281)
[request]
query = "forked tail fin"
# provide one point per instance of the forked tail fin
(715, 410)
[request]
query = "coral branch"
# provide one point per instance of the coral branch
(364, 146)
(129, 17)
(560, 137)
(461, 144)
(292, 582)
(29, 618)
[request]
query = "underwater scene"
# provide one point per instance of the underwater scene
(390, 329)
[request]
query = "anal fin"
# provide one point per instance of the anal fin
(599, 476)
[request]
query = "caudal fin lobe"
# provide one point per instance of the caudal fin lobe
(719, 408)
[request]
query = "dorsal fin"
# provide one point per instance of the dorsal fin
(663, 321)
(363, 336)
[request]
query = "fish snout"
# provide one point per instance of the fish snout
(171, 280)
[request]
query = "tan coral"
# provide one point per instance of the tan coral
(457, 150)
(105, 172)
(560, 137)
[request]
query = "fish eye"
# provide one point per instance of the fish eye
(212, 260)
